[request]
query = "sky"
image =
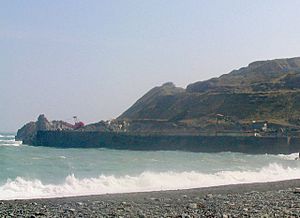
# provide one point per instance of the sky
(95, 58)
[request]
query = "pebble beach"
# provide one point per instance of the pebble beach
(272, 199)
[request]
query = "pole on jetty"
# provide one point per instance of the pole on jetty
(288, 140)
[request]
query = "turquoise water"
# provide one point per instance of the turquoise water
(29, 172)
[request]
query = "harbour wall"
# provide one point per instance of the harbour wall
(195, 143)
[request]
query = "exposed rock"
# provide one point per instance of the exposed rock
(43, 123)
(264, 90)
(157, 96)
(28, 132)
(297, 190)
(260, 72)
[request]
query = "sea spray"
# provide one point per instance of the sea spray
(40, 172)
(8, 140)
(21, 188)
(293, 156)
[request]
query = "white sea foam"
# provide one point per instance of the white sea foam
(7, 136)
(11, 142)
(7, 140)
(37, 158)
(15, 144)
(21, 188)
(289, 156)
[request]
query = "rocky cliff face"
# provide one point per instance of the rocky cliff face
(156, 99)
(257, 76)
(264, 90)
(43, 123)
(28, 132)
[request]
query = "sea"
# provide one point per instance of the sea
(41, 172)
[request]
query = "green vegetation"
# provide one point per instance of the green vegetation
(264, 90)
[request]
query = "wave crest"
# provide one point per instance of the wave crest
(11, 142)
(7, 136)
(21, 188)
(292, 156)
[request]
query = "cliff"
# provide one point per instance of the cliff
(262, 99)
(264, 90)
(259, 76)
(28, 132)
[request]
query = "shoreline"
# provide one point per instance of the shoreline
(255, 199)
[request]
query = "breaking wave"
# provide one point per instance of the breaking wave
(9, 140)
(7, 136)
(10, 143)
(289, 156)
(21, 188)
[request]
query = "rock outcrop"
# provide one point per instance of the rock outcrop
(43, 123)
(28, 132)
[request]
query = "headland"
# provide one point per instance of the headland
(254, 109)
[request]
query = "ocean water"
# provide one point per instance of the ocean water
(40, 172)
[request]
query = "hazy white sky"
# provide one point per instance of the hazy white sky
(94, 59)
